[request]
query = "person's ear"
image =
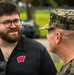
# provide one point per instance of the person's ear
(58, 37)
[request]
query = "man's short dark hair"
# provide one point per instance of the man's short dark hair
(8, 8)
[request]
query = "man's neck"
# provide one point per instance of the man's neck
(7, 44)
(66, 55)
(7, 48)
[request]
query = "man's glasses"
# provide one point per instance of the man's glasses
(8, 23)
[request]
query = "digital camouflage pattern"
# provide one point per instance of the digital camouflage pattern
(67, 69)
(60, 18)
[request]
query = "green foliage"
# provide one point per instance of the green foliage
(23, 15)
(41, 18)
(58, 65)
(52, 3)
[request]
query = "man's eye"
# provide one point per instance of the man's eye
(16, 20)
(6, 22)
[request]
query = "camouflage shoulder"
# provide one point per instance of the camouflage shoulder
(67, 69)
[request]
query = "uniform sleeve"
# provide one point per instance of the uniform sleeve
(48, 67)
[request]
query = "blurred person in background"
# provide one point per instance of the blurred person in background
(20, 55)
(60, 37)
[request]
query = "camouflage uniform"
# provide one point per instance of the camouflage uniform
(67, 69)
(62, 19)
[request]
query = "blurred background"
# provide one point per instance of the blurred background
(35, 14)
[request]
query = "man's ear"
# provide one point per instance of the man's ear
(58, 37)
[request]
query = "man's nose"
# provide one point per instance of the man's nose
(13, 25)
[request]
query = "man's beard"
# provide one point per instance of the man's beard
(11, 39)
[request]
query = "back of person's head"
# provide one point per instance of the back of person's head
(8, 8)
(61, 19)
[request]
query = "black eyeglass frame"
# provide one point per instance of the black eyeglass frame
(8, 23)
